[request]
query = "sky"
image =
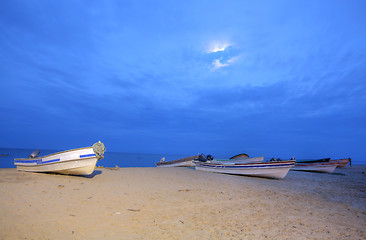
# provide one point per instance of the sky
(272, 78)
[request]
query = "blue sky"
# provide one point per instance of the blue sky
(272, 78)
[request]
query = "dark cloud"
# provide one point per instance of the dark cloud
(138, 75)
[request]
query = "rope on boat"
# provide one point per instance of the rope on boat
(99, 149)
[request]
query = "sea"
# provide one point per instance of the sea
(111, 159)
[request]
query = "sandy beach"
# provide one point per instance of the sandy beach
(181, 203)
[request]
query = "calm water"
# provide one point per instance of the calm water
(110, 159)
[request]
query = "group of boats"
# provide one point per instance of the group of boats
(82, 161)
(242, 164)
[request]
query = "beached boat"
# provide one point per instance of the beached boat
(262, 169)
(312, 160)
(182, 162)
(342, 162)
(80, 161)
(323, 165)
(240, 160)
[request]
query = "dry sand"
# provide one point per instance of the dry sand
(181, 203)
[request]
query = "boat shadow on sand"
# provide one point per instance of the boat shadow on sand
(342, 174)
(96, 172)
(333, 173)
(251, 176)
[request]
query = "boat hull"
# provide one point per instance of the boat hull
(80, 161)
(341, 162)
(183, 162)
(307, 161)
(180, 164)
(240, 160)
(315, 167)
(268, 170)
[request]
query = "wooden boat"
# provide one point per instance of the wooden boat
(323, 165)
(263, 169)
(342, 162)
(80, 161)
(182, 162)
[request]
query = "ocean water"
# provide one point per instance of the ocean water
(111, 159)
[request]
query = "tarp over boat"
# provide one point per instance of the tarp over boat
(240, 156)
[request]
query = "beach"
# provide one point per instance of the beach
(182, 203)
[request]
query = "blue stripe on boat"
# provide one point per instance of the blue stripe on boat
(87, 155)
(37, 161)
(50, 161)
(27, 161)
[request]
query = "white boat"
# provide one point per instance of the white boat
(182, 162)
(323, 167)
(80, 161)
(262, 169)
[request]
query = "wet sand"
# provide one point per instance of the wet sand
(181, 203)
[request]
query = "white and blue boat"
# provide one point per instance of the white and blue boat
(276, 169)
(80, 161)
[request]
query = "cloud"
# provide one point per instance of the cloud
(126, 71)
(217, 64)
(218, 47)
(220, 63)
(223, 54)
